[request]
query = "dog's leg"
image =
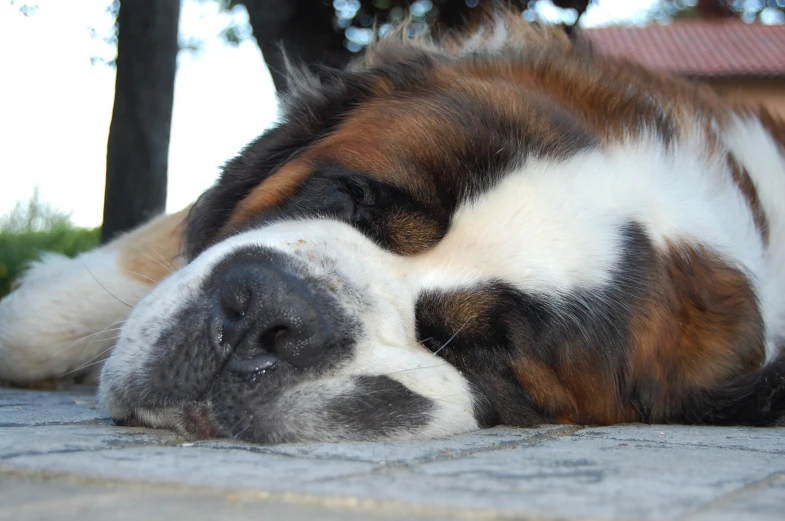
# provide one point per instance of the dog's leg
(63, 318)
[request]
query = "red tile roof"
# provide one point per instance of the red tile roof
(698, 47)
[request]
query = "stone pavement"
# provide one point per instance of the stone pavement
(61, 459)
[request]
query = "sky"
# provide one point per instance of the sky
(56, 106)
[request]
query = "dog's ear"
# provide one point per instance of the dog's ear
(305, 117)
(320, 100)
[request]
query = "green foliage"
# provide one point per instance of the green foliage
(17, 250)
(34, 227)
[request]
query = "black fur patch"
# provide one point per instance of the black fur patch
(756, 399)
(378, 407)
(369, 205)
(555, 331)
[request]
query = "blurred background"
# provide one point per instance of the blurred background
(112, 111)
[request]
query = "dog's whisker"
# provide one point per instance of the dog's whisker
(451, 338)
(399, 371)
(143, 276)
(82, 339)
(92, 361)
(102, 286)
(82, 367)
(96, 339)
(164, 266)
(166, 261)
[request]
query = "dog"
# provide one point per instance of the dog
(495, 227)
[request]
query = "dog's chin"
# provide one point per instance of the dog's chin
(191, 421)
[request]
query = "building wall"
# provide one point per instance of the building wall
(769, 92)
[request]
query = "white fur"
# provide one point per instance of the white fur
(755, 149)
(65, 315)
(556, 224)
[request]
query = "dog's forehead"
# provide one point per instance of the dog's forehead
(430, 141)
(443, 123)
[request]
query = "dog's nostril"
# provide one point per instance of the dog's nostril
(235, 303)
(233, 314)
(273, 337)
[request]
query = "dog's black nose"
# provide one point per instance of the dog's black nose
(269, 315)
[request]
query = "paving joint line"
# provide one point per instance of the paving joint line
(560, 432)
(395, 465)
(653, 444)
(105, 422)
(119, 446)
(724, 499)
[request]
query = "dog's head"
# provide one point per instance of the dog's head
(373, 266)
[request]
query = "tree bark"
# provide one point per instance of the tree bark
(303, 27)
(138, 147)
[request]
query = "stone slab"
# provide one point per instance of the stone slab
(24, 408)
(576, 476)
(60, 458)
(60, 439)
(45, 499)
(764, 501)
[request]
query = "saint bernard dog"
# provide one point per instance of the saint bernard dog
(450, 234)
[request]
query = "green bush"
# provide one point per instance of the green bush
(18, 249)
(32, 227)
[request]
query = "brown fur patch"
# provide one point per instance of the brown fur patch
(391, 138)
(597, 393)
(742, 179)
(774, 124)
(547, 390)
(267, 195)
(576, 387)
(412, 233)
(152, 252)
(700, 327)
(465, 311)
(697, 327)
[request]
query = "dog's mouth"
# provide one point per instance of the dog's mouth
(194, 421)
(199, 423)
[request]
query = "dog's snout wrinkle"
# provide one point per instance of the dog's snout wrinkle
(266, 315)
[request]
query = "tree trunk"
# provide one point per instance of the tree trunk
(138, 148)
(303, 27)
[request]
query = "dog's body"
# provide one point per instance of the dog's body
(501, 228)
